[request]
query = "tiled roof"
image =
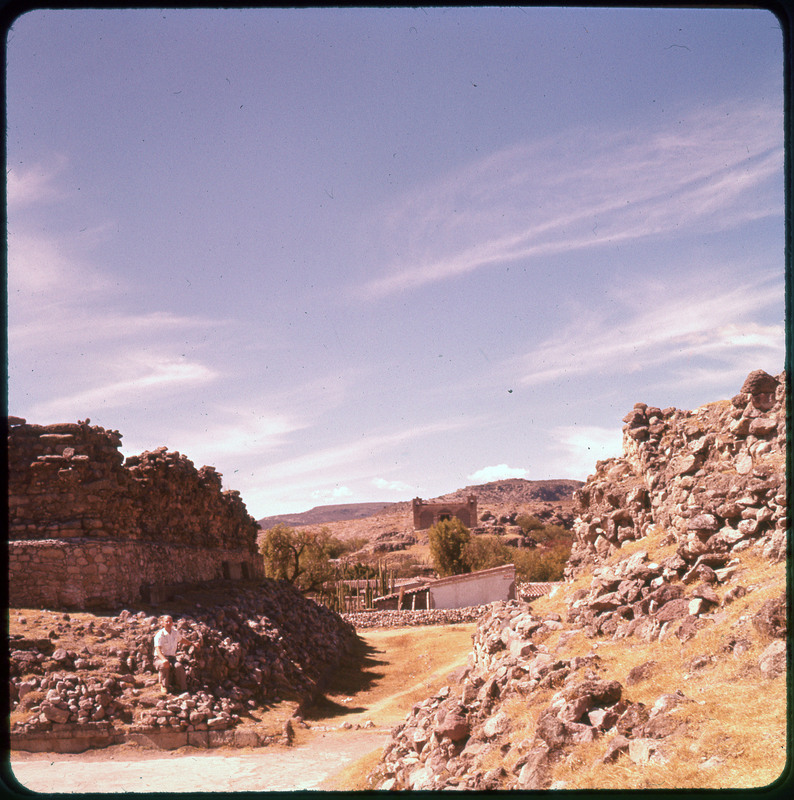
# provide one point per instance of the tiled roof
(533, 590)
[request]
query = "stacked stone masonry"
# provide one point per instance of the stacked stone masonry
(714, 478)
(706, 486)
(87, 528)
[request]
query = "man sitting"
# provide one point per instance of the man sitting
(166, 642)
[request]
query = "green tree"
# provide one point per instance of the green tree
(448, 540)
(538, 565)
(484, 552)
(528, 523)
(298, 557)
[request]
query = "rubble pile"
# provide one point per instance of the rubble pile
(448, 741)
(702, 487)
(714, 478)
(264, 644)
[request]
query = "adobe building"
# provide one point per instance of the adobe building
(428, 514)
(455, 591)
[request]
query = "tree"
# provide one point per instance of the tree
(530, 525)
(298, 557)
(448, 540)
(542, 565)
(484, 552)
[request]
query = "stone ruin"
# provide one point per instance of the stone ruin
(715, 478)
(710, 483)
(426, 514)
(87, 528)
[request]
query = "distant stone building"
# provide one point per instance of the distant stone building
(428, 514)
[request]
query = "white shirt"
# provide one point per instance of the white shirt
(167, 642)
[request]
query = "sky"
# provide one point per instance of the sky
(363, 255)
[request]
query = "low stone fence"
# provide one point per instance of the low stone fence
(405, 619)
(74, 738)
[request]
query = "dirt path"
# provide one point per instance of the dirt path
(395, 669)
(306, 766)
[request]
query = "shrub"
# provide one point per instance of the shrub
(541, 565)
(529, 523)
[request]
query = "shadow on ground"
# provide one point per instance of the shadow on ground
(357, 673)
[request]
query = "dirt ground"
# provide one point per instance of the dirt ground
(130, 769)
(393, 670)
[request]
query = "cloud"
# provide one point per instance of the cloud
(150, 375)
(392, 486)
(586, 189)
(240, 436)
(583, 445)
(662, 325)
(323, 496)
(350, 456)
(497, 473)
(46, 273)
(35, 185)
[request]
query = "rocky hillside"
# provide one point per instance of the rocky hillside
(320, 515)
(551, 501)
(661, 662)
(74, 676)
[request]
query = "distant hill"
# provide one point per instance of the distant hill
(518, 490)
(322, 514)
(511, 492)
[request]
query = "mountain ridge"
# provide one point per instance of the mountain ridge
(506, 491)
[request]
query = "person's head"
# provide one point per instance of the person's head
(168, 622)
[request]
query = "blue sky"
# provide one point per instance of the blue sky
(369, 254)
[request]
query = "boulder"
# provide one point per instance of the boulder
(535, 770)
(770, 619)
(452, 724)
(640, 672)
(759, 382)
(646, 751)
(772, 662)
(616, 745)
(674, 609)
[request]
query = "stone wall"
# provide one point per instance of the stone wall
(426, 514)
(87, 528)
(714, 478)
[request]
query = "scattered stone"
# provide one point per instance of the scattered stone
(772, 662)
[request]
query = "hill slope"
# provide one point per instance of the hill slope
(323, 514)
(551, 500)
(661, 662)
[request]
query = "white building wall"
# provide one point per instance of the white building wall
(474, 589)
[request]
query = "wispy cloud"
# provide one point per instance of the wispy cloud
(239, 435)
(659, 325)
(34, 185)
(587, 189)
(147, 377)
(349, 456)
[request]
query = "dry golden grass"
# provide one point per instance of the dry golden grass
(737, 718)
(356, 776)
(393, 670)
